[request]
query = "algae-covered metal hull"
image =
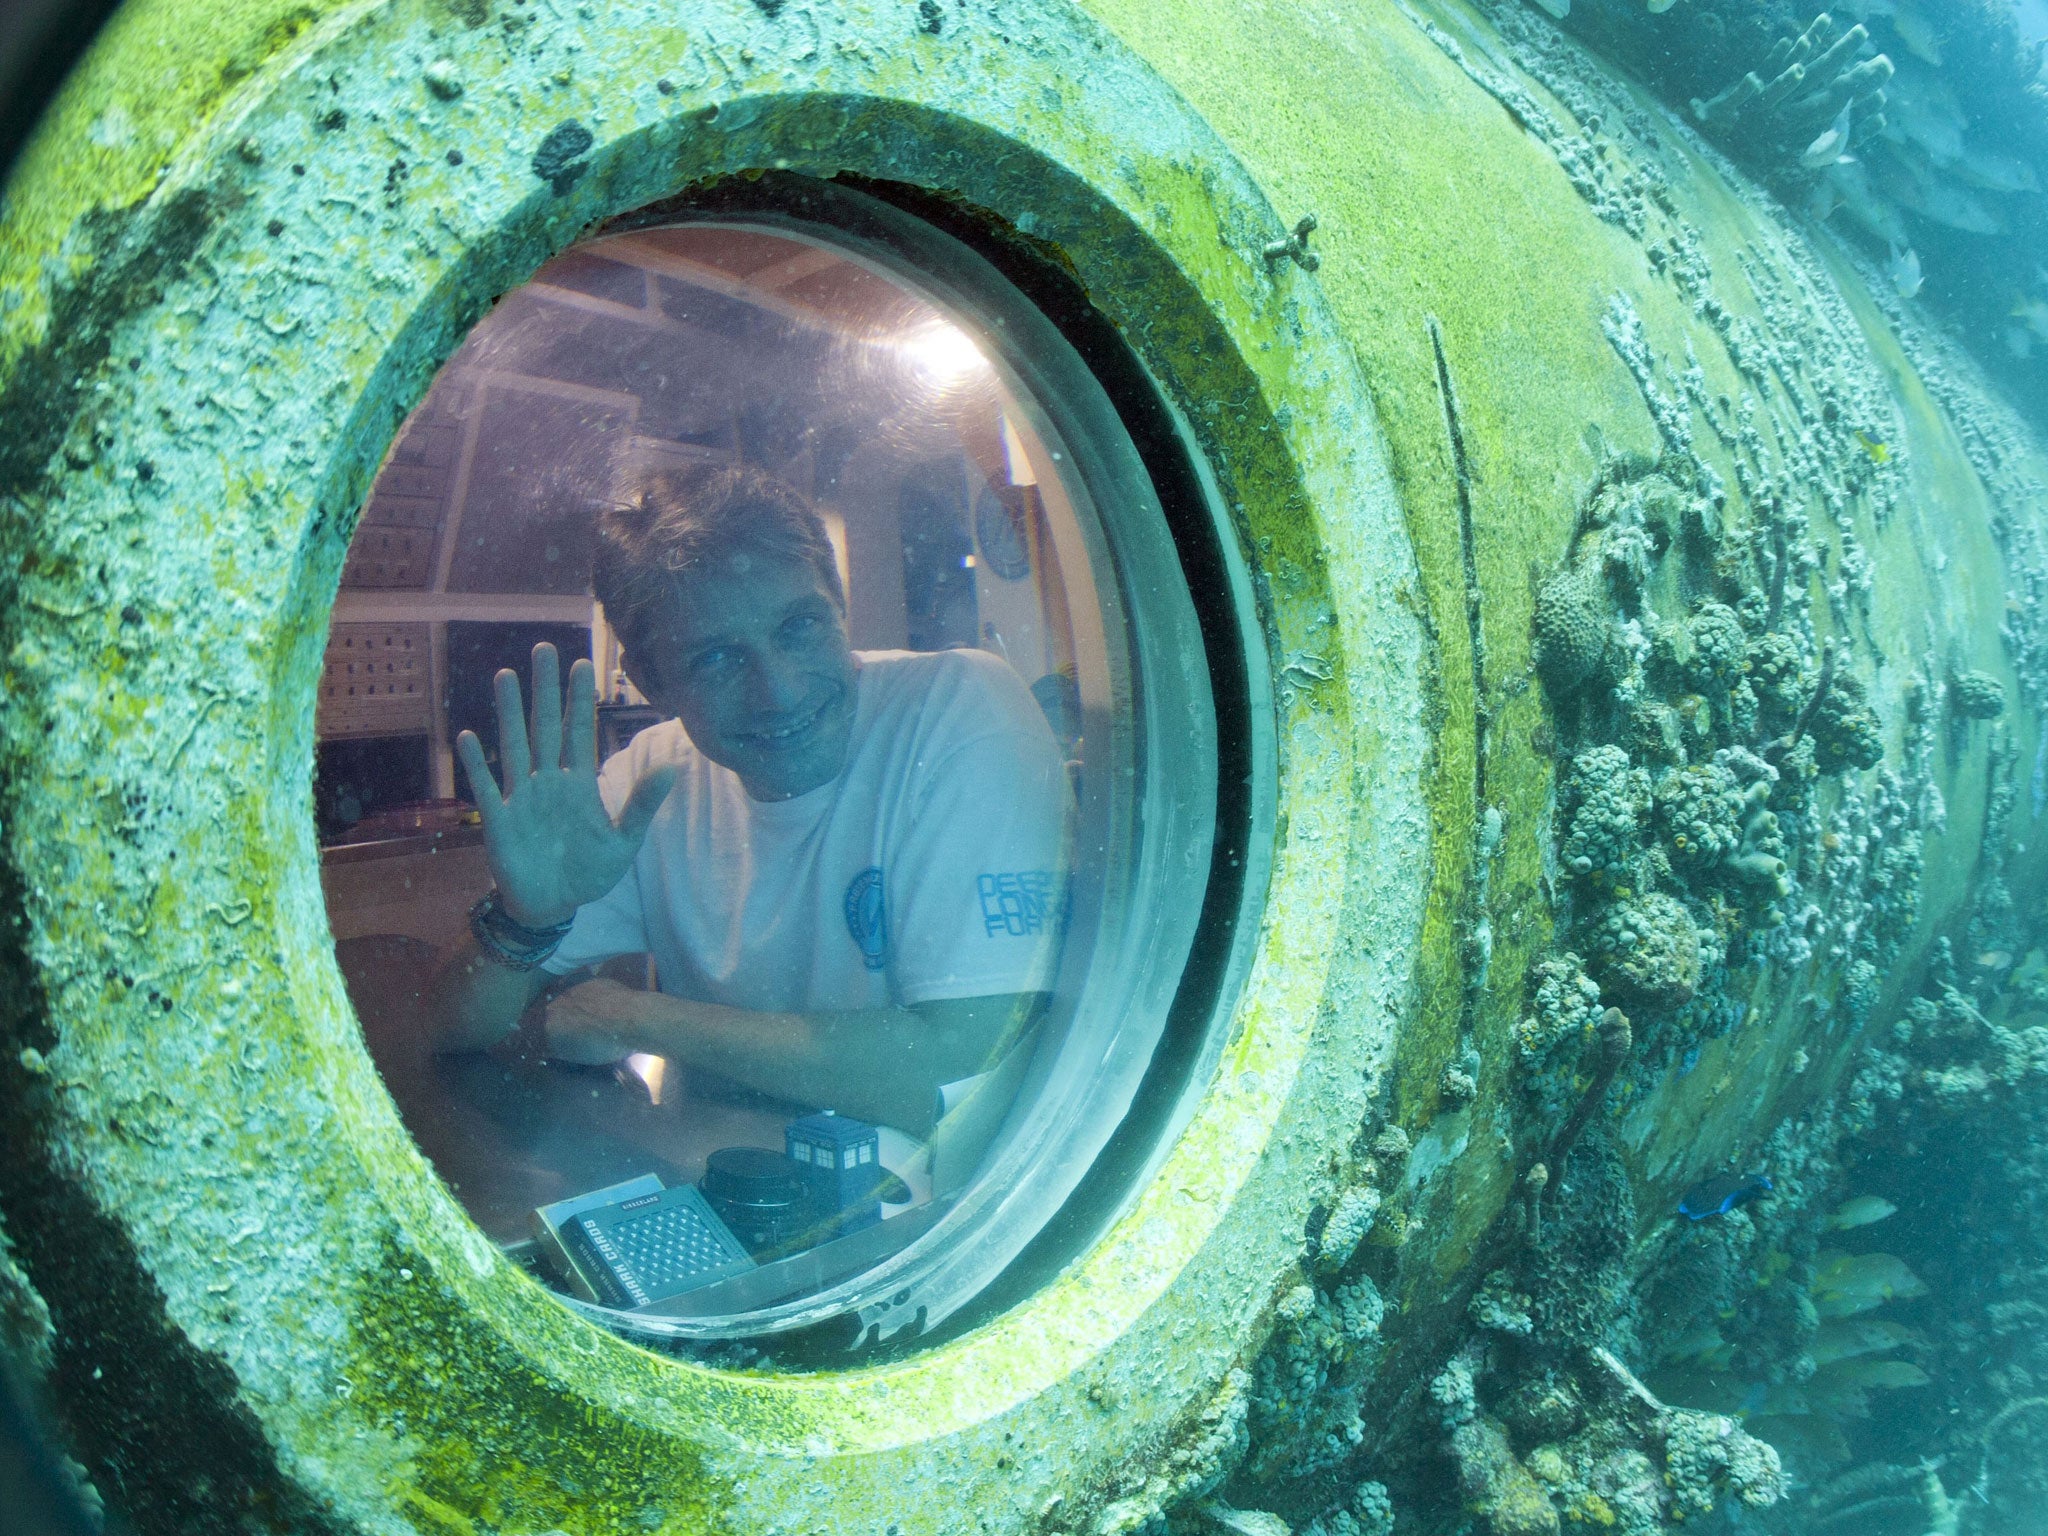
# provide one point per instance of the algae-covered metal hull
(1567, 443)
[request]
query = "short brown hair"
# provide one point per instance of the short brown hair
(680, 519)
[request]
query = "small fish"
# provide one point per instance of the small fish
(1860, 1212)
(1659, 7)
(2034, 312)
(1879, 451)
(1831, 146)
(1723, 1193)
(1862, 202)
(1904, 271)
(1997, 173)
(1947, 203)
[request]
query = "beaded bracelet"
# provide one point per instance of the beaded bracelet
(510, 943)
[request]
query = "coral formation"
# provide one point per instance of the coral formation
(1609, 799)
(1845, 729)
(1728, 843)
(1776, 676)
(1370, 1512)
(1574, 636)
(1646, 952)
(1496, 1484)
(1715, 692)
(1720, 646)
(1564, 1012)
(1709, 1457)
(1976, 695)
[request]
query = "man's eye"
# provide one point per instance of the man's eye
(710, 663)
(803, 627)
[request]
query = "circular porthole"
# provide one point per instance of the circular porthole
(811, 959)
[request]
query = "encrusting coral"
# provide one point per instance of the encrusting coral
(1609, 799)
(1497, 1486)
(1646, 951)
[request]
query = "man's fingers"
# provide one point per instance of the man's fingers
(644, 801)
(582, 719)
(547, 708)
(512, 753)
(481, 784)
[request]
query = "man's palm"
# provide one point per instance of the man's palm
(552, 844)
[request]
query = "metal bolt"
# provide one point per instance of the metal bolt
(1295, 247)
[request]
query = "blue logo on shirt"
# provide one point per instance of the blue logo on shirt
(865, 919)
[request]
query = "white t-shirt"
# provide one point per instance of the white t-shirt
(932, 867)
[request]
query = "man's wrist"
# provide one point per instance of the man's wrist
(508, 942)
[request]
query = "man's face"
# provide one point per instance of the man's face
(751, 655)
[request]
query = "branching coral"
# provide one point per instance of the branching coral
(1814, 97)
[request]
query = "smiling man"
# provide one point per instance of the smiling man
(847, 866)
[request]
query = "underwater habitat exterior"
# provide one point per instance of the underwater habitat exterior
(1620, 1096)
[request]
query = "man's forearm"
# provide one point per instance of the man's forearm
(883, 1065)
(475, 1002)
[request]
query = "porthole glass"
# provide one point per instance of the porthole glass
(766, 773)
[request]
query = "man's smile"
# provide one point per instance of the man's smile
(777, 738)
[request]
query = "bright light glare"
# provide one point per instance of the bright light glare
(651, 1070)
(942, 355)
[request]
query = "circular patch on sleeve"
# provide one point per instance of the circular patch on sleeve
(865, 919)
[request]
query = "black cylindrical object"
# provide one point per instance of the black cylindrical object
(759, 1194)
